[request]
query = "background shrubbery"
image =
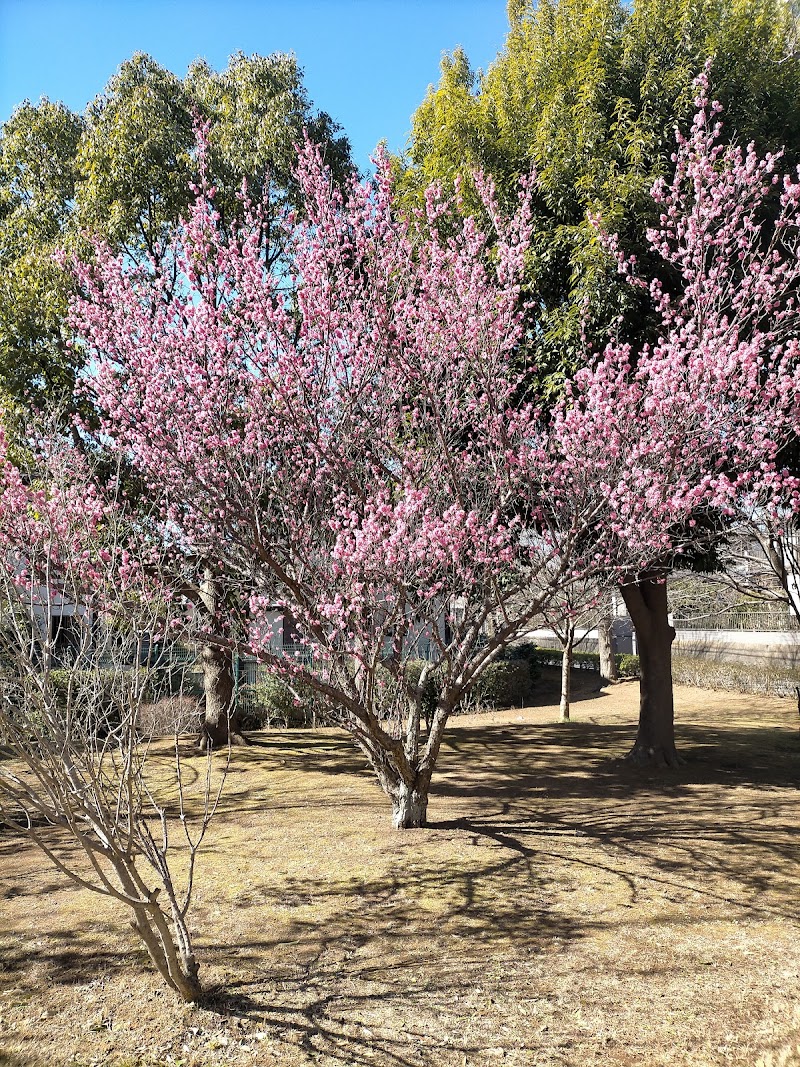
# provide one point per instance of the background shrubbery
(504, 684)
(627, 665)
(738, 677)
(171, 695)
(274, 701)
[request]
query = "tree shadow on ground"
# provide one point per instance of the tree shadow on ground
(69, 957)
(587, 758)
(527, 800)
(412, 946)
(369, 960)
(584, 685)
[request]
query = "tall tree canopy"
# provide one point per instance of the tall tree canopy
(38, 178)
(588, 93)
(122, 171)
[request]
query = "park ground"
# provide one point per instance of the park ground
(562, 909)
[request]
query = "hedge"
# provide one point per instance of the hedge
(697, 671)
(735, 677)
(627, 666)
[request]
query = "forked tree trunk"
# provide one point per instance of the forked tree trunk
(221, 723)
(175, 963)
(169, 947)
(407, 784)
(566, 673)
(410, 805)
(406, 789)
(404, 767)
(646, 601)
(605, 646)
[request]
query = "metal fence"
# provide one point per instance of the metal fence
(766, 619)
(258, 684)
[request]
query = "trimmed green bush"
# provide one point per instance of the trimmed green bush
(527, 653)
(551, 657)
(628, 666)
(503, 684)
(431, 690)
(274, 701)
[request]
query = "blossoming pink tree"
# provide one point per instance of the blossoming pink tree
(682, 434)
(340, 439)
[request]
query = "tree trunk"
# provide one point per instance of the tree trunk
(410, 805)
(177, 966)
(221, 724)
(402, 766)
(646, 601)
(170, 949)
(605, 646)
(566, 674)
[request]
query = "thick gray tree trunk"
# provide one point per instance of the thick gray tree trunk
(646, 601)
(221, 723)
(404, 766)
(410, 804)
(605, 646)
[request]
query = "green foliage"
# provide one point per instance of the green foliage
(503, 684)
(587, 93)
(526, 652)
(95, 700)
(396, 695)
(135, 156)
(551, 657)
(275, 701)
(627, 665)
(38, 179)
(430, 690)
(122, 171)
(259, 108)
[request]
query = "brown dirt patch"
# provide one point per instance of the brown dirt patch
(562, 909)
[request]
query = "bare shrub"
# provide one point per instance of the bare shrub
(80, 776)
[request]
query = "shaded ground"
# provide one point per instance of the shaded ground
(561, 910)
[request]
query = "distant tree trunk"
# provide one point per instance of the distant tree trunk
(646, 601)
(605, 646)
(221, 723)
(567, 647)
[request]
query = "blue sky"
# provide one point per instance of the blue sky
(367, 62)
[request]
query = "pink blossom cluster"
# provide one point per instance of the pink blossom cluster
(337, 432)
(66, 537)
(697, 420)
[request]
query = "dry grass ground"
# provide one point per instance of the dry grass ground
(562, 909)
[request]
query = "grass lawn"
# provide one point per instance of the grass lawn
(562, 908)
